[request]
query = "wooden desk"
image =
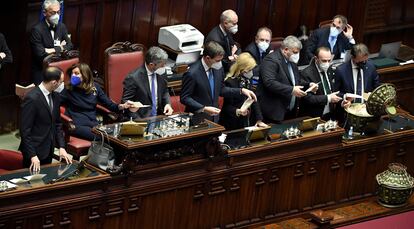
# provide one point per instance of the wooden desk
(258, 184)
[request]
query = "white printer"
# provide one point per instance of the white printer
(183, 38)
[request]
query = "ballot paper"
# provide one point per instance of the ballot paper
(34, 177)
(247, 103)
(353, 96)
(18, 180)
(5, 186)
(139, 105)
(313, 86)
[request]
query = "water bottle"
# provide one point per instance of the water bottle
(351, 133)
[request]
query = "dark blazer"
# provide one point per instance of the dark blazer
(344, 82)
(320, 37)
(228, 117)
(217, 35)
(275, 86)
(81, 106)
(137, 89)
(196, 93)
(254, 51)
(40, 39)
(314, 104)
(40, 128)
(4, 48)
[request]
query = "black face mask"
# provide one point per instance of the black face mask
(362, 64)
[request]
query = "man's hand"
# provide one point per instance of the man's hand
(35, 166)
(249, 94)
(168, 109)
(259, 123)
(334, 98)
(2, 55)
(211, 110)
(349, 31)
(313, 87)
(240, 112)
(297, 91)
(234, 50)
(64, 155)
(50, 50)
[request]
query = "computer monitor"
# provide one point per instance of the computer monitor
(390, 50)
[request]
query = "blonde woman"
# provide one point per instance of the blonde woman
(240, 76)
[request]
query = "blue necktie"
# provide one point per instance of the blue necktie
(211, 81)
(153, 93)
(332, 42)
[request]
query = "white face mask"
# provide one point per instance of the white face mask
(263, 45)
(248, 74)
(334, 31)
(54, 19)
(217, 65)
(60, 88)
(294, 58)
(324, 66)
(234, 29)
(160, 71)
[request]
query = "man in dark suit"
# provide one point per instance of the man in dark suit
(203, 83)
(40, 126)
(5, 53)
(357, 76)
(223, 34)
(259, 49)
(47, 37)
(279, 84)
(146, 85)
(338, 37)
(320, 103)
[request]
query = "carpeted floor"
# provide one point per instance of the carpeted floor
(399, 221)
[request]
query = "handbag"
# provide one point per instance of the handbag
(101, 154)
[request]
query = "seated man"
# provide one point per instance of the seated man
(280, 84)
(320, 103)
(203, 83)
(47, 37)
(358, 75)
(338, 37)
(259, 49)
(40, 126)
(222, 34)
(146, 85)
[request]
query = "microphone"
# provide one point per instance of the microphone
(172, 91)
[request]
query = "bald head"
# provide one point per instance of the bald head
(229, 20)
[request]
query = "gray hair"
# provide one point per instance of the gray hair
(48, 3)
(264, 28)
(227, 15)
(155, 55)
(342, 18)
(291, 42)
(359, 50)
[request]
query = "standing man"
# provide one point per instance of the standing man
(358, 75)
(47, 37)
(40, 126)
(259, 49)
(5, 53)
(223, 34)
(279, 85)
(338, 37)
(320, 103)
(146, 85)
(203, 83)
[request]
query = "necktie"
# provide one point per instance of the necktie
(228, 45)
(261, 55)
(211, 82)
(332, 42)
(359, 85)
(292, 78)
(50, 102)
(153, 96)
(325, 84)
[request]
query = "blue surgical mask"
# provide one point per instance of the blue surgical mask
(75, 80)
(335, 31)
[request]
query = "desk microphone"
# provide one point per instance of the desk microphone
(171, 90)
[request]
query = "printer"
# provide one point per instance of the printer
(182, 38)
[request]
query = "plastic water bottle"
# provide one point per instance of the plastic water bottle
(351, 133)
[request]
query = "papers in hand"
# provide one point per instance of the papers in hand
(34, 177)
(353, 96)
(21, 91)
(312, 87)
(138, 104)
(247, 103)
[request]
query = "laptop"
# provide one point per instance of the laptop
(390, 50)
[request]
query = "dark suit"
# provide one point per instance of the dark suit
(314, 104)
(137, 89)
(81, 107)
(218, 36)
(344, 78)
(255, 52)
(196, 92)
(40, 39)
(228, 117)
(320, 37)
(275, 86)
(40, 128)
(4, 48)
